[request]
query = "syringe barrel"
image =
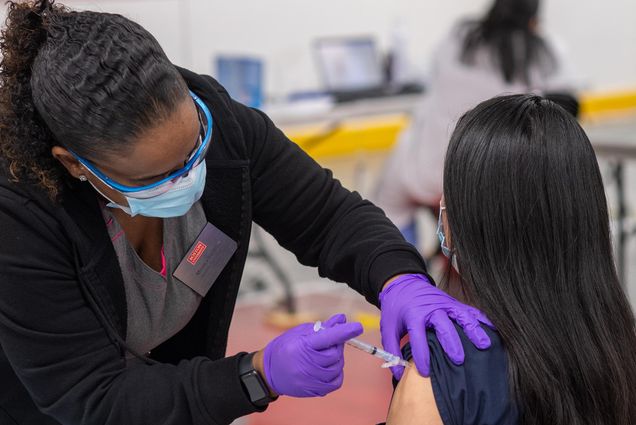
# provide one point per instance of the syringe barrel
(362, 345)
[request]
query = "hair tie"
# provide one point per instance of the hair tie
(45, 7)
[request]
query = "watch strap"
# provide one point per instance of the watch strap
(253, 383)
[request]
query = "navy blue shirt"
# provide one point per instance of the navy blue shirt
(475, 393)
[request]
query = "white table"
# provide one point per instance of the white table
(293, 114)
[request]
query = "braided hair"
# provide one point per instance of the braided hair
(90, 82)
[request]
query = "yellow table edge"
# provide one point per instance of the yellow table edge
(380, 132)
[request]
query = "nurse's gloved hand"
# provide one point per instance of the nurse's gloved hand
(411, 304)
(305, 363)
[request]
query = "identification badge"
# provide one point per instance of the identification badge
(205, 260)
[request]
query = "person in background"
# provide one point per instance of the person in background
(524, 220)
(502, 53)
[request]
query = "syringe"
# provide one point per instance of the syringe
(389, 359)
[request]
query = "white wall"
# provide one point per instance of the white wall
(601, 35)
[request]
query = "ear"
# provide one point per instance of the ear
(74, 167)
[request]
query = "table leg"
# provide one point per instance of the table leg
(261, 251)
(619, 176)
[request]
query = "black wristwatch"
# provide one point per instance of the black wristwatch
(253, 383)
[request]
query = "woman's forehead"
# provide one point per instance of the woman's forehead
(162, 147)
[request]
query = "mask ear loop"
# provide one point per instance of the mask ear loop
(449, 253)
(441, 234)
(453, 261)
(127, 210)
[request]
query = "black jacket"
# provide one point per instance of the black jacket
(62, 300)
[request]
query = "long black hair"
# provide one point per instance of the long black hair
(528, 222)
(88, 81)
(507, 34)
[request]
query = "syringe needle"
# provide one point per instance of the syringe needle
(390, 359)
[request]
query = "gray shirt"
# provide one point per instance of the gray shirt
(159, 305)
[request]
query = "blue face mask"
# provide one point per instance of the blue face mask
(441, 235)
(177, 201)
(448, 253)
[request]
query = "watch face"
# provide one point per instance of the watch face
(254, 386)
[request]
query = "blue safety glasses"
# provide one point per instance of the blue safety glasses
(163, 185)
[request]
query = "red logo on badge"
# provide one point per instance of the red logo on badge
(197, 252)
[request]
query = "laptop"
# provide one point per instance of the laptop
(351, 68)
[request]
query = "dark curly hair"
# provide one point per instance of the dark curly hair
(88, 81)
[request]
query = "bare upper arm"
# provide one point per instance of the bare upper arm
(413, 402)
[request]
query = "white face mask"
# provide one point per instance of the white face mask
(185, 192)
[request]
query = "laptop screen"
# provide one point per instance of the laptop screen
(349, 64)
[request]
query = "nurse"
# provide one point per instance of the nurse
(127, 193)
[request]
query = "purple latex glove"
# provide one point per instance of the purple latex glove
(305, 363)
(411, 304)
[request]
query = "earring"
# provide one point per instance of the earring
(82, 178)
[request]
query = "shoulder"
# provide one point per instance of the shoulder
(18, 197)
(453, 39)
(448, 50)
(238, 126)
(475, 392)
(204, 85)
(30, 221)
(456, 36)
(216, 96)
